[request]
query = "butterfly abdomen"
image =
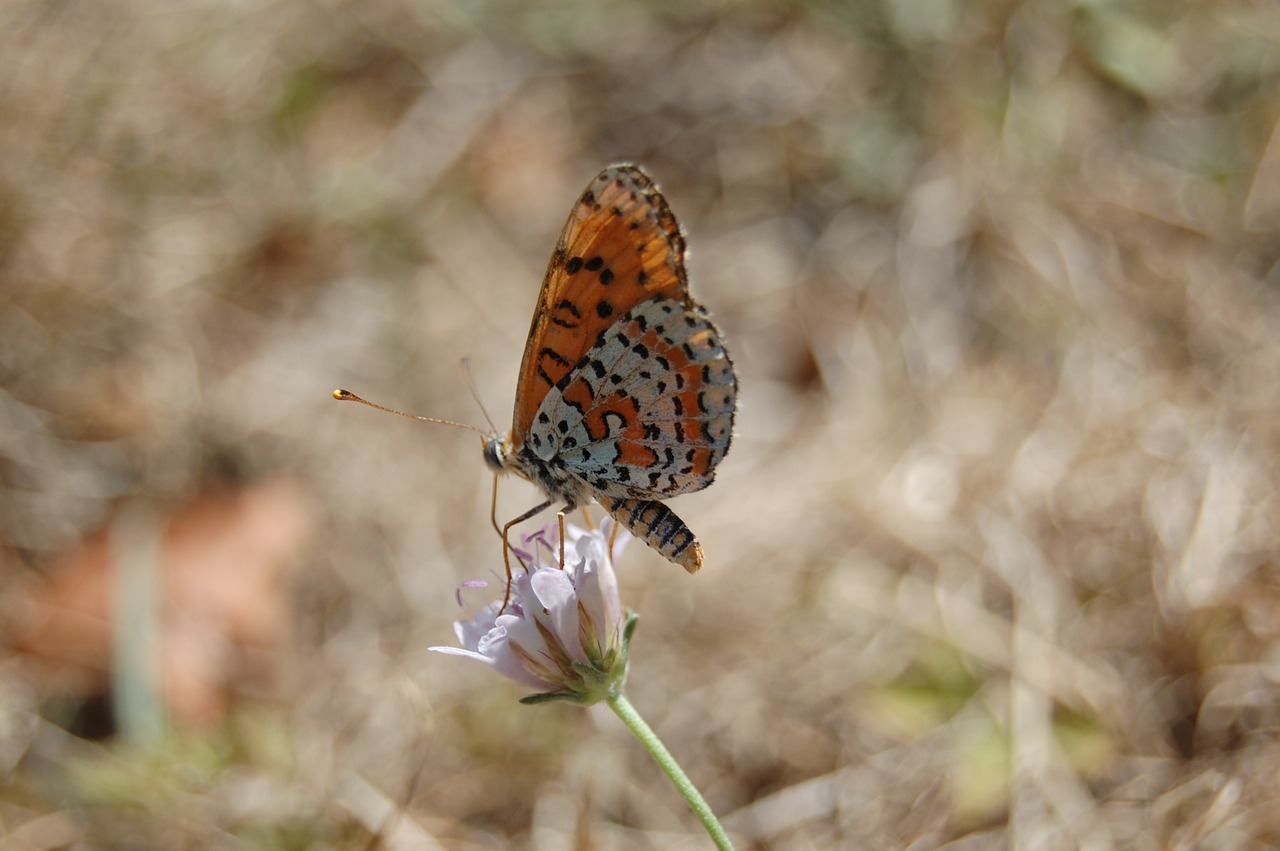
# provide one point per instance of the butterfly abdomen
(659, 527)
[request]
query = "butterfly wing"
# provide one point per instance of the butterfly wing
(650, 412)
(621, 246)
(626, 394)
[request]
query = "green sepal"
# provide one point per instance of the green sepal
(627, 629)
(553, 697)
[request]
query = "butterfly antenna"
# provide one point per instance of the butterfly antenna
(475, 392)
(347, 396)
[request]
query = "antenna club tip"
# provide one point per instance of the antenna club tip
(343, 395)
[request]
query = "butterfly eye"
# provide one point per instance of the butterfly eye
(495, 456)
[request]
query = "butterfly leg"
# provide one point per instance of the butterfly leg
(506, 545)
(659, 527)
(560, 517)
(493, 521)
(493, 507)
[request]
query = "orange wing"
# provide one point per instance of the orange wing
(621, 246)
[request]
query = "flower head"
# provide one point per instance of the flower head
(563, 633)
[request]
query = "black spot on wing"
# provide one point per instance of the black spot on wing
(547, 352)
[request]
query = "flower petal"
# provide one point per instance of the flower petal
(598, 590)
(504, 662)
(555, 591)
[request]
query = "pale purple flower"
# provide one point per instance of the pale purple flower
(564, 632)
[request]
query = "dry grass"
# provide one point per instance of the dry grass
(992, 562)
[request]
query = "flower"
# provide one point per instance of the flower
(563, 633)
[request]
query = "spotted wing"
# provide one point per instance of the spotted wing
(649, 412)
(620, 247)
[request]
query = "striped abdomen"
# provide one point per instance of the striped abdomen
(658, 526)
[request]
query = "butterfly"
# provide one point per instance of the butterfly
(626, 395)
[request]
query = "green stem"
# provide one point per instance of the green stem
(668, 764)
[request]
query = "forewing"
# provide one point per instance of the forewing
(621, 246)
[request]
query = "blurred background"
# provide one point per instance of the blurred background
(992, 562)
